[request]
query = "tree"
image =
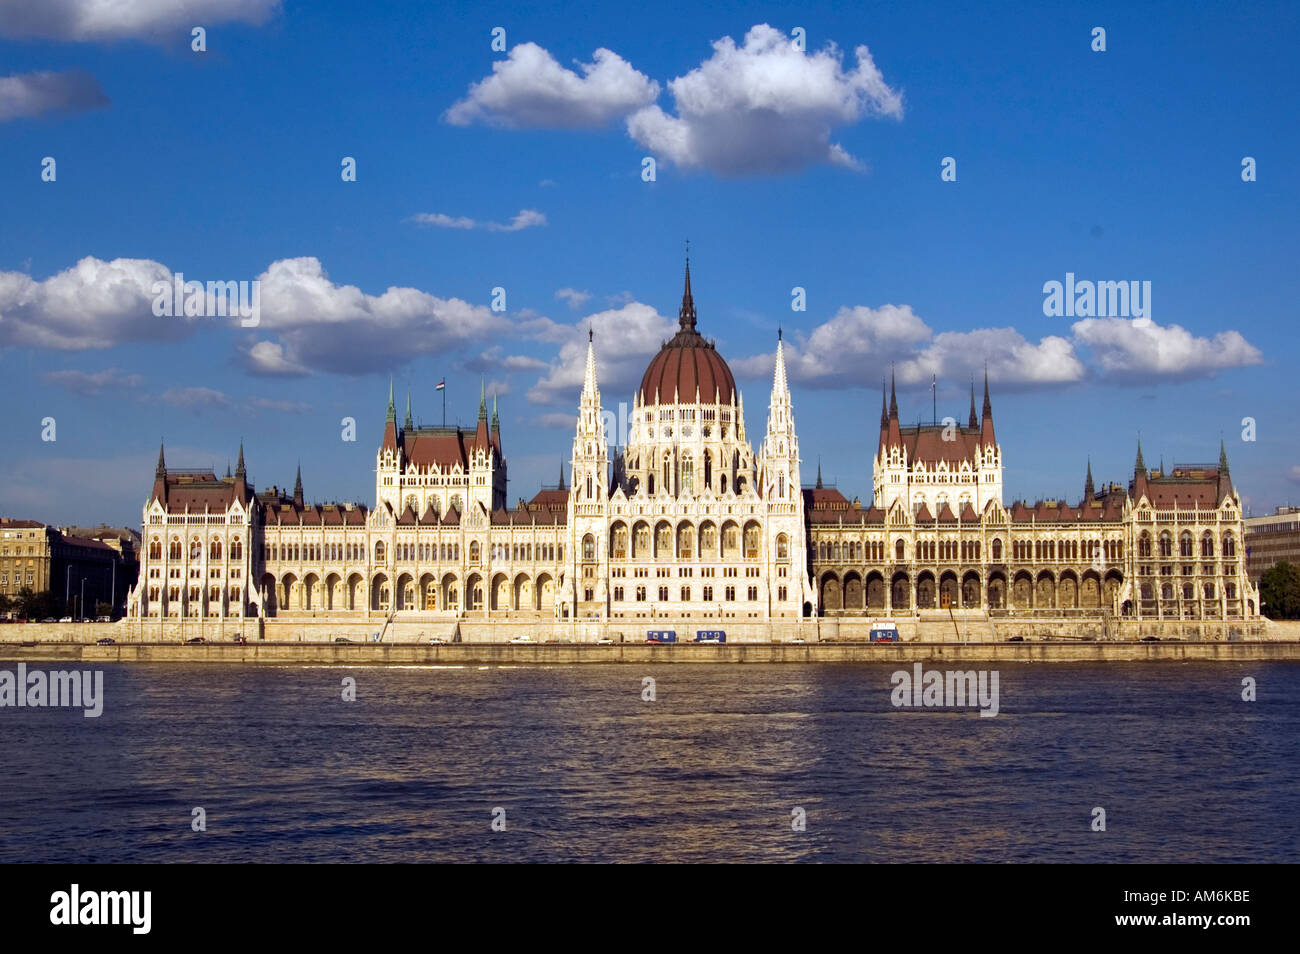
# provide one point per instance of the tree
(6, 603)
(1279, 591)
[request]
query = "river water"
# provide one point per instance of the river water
(716, 767)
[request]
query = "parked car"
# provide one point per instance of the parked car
(66, 619)
(523, 639)
(195, 641)
(341, 639)
(439, 640)
(106, 641)
(103, 619)
(241, 640)
(1015, 639)
(1150, 639)
(604, 641)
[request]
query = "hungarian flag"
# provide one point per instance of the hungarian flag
(441, 384)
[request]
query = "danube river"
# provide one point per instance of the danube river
(714, 768)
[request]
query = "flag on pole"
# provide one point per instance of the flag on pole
(441, 385)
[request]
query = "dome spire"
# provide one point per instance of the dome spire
(686, 316)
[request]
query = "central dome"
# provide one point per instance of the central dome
(687, 362)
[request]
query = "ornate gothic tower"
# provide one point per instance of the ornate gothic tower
(588, 561)
(782, 491)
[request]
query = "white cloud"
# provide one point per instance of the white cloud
(526, 219)
(1293, 474)
(859, 340)
(94, 382)
(494, 359)
(626, 339)
(765, 107)
(319, 325)
(93, 304)
(1010, 359)
(531, 89)
(105, 20)
(853, 343)
(195, 397)
(1139, 349)
(575, 299)
(35, 94)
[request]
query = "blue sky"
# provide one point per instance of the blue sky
(819, 169)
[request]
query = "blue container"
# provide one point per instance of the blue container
(710, 636)
(661, 636)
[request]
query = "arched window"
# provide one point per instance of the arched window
(1185, 546)
(1229, 545)
(1166, 544)
(620, 543)
(899, 550)
(379, 551)
(1207, 546)
(474, 551)
(174, 548)
(236, 549)
(196, 548)
(588, 548)
(456, 504)
(688, 474)
(997, 550)
(1144, 544)
(155, 549)
(782, 547)
(214, 551)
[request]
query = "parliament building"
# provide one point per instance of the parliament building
(690, 524)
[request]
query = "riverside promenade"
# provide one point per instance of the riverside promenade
(565, 654)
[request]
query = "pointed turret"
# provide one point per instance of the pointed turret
(390, 421)
(481, 436)
(987, 437)
(894, 435)
(686, 316)
(819, 473)
(561, 486)
(1088, 489)
(589, 379)
(973, 421)
(884, 407)
(496, 426)
(1225, 478)
(160, 478)
(229, 476)
(297, 488)
(408, 425)
(241, 476)
(1139, 486)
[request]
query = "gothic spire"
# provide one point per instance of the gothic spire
(408, 425)
(589, 380)
(161, 469)
(297, 486)
(819, 473)
(496, 421)
(239, 465)
(482, 399)
(973, 421)
(1087, 483)
(392, 408)
(561, 484)
(1223, 458)
(686, 316)
(988, 405)
(1140, 467)
(779, 385)
(884, 405)
(893, 395)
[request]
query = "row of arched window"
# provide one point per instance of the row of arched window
(175, 550)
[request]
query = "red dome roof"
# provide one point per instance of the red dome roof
(687, 362)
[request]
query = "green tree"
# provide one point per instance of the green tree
(1279, 591)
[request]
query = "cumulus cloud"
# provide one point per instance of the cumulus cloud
(626, 339)
(840, 352)
(194, 398)
(311, 323)
(1139, 348)
(765, 107)
(105, 20)
(93, 304)
(575, 299)
(526, 219)
(494, 359)
(1293, 474)
(530, 89)
(35, 94)
(859, 341)
(90, 383)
